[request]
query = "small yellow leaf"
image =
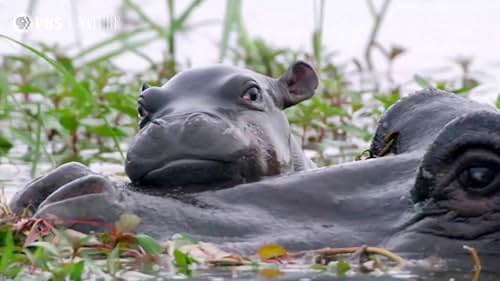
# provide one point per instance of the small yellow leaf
(270, 251)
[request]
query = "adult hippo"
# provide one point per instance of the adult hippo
(436, 188)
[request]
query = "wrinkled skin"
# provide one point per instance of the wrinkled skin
(434, 191)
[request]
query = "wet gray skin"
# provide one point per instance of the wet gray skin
(436, 189)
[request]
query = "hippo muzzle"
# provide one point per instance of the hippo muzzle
(196, 147)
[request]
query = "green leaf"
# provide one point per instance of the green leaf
(113, 261)
(46, 246)
(441, 85)
(5, 145)
(41, 259)
(182, 260)
(422, 82)
(123, 103)
(106, 131)
(7, 251)
(188, 239)
(356, 131)
(467, 88)
(67, 63)
(342, 267)
(77, 271)
(69, 121)
(328, 109)
(27, 89)
(150, 245)
(388, 100)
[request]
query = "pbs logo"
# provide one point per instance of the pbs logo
(22, 23)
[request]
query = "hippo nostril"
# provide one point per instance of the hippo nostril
(196, 115)
(198, 118)
(194, 119)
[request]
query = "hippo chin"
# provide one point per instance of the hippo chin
(436, 188)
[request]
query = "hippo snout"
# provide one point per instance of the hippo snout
(196, 147)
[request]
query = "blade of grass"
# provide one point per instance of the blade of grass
(171, 35)
(244, 37)
(27, 139)
(177, 24)
(67, 75)
(181, 20)
(378, 17)
(122, 36)
(318, 32)
(8, 99)
(8, 252)
(227, 29)
(121, 50)
(156, 27)
(234, 23)
(38, 141)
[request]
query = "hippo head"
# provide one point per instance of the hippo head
(218, 125)
(454, 189)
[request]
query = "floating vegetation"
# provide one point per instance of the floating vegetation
(31, 247)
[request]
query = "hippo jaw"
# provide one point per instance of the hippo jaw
(218, 126)
(193, 171)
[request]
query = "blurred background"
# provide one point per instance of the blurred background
(71, 70)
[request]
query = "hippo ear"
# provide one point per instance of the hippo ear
(144, 87)
(301, 81)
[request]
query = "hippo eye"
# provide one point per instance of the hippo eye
(478, 179)
(252, 94)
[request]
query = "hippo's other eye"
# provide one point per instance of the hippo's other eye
(478, 179)
(251, 94)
